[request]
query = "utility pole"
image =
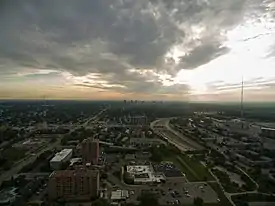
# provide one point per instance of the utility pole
(242, 113)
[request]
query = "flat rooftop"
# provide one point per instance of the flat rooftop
(138, 169)
(70, 173)
(119, 194)
(268, 128)
(144, 173)
(61, 155)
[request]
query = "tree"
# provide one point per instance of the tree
(130, 204)
(104, 175)
(198, 201)
(128, 179)
(148, 199)
(100, 202)
(241, 203)
(156, 154)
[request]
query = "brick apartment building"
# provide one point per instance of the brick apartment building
(78, 184)
(90, 151)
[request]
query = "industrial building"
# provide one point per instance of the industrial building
(60, 158)
(78, 184)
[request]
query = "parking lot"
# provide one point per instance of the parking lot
(185, 193)
(175, 191)
(168, 169)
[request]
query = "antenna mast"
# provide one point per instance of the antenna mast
(242, 100)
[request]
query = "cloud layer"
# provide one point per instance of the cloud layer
(126, 46)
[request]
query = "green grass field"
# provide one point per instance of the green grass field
(223, 200)
(14, 154)
(193, 169)
(190, 176)
(199, 171)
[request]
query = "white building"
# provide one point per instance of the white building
(142, 174)
(119, 195)
(60, 158)
(74, 161)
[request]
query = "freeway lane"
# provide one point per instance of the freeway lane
(174, 137)
(188, 141)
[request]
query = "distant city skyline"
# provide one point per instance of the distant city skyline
(146, 50)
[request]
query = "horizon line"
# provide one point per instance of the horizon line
(121, 100)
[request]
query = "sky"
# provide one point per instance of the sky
(183, 50)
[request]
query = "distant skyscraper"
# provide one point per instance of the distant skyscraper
(90, 151)
(79, 184)
(140, 120)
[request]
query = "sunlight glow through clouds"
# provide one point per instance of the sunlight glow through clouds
(35, 71)
(249, 45)
(175, 53)
(170, 49)
(89, 81)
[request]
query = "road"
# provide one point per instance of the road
(182, 145)
(172, 141)
(174, 137)
(189, 141)
(27, 160)
(227, 195)
(94, 118)
(31, 158)
(257, 185)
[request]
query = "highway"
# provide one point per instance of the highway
(31, 158)
(174, 137)
(93, 119)
(182, 143)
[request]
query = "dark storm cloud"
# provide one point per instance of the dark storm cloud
(111, 37)
(121, 26)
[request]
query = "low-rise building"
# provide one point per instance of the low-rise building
(143, 155)
(147, 142)
(260, 161)
(60, 158)
(7, 197)
(138, 155)
(142, 174)
(119, 195)
(74, 161)
(268, 132)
